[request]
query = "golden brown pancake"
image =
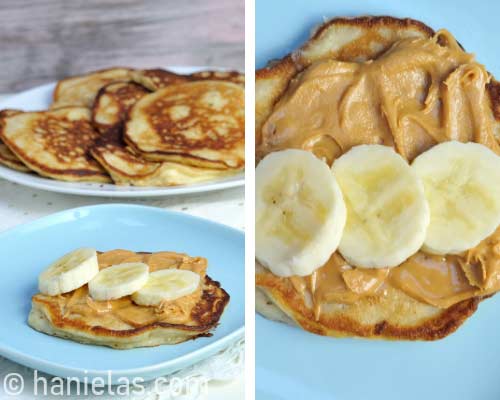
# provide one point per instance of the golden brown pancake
(124, 166)
(156, 79)
(393, 313)
(82, 90)
(108, 116)
(121, 323)
(112, 104)
(196, 123)
(121, 163)
(7, 157)
(55, 143)
(227, 76)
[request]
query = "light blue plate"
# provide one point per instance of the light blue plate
(26, 250)
(293, 364)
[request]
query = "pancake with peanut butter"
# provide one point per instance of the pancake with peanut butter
(7, 157)
(109, 111)
(55, 143)
(197, 123)
(379, 80)
(82, 90)
(121, 323)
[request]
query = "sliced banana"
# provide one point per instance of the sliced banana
(299, 211)
(387, 213)
(166, 284)
(70, 272)
(118, 281)
(462, 186)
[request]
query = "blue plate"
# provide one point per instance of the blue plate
(294, 364)
(30, 248)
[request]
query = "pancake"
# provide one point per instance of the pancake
(156, 79)
(121, 163)
(196, 123)
(7, 157)
(393, 314)
(109, 111)
(122, 324)
(112, 104)
(82, 90)
(227, 76)
(55, 143)
(126, 168)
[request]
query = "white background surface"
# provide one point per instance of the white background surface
(20, 204)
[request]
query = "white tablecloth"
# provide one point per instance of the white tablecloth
(19, 204)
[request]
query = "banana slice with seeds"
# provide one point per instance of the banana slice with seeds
(299, 211)
(165, 285)
(462, 186)
(387, 212)
(69, 272)
(118, 281)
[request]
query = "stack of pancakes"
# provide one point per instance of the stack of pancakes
(132, 127)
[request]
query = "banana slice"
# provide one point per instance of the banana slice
(299, 211)
(70, 272)
(387, 213)
(462, 186)
(167, 284)
(118, 281)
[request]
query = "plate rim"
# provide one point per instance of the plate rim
(47, 184)
(182, 361)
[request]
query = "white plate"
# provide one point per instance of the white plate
(40, 98)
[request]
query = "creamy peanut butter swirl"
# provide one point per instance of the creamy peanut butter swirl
(419, 93)
(124, 313)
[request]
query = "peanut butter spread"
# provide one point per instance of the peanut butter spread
(419, 93)
(123, 313)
